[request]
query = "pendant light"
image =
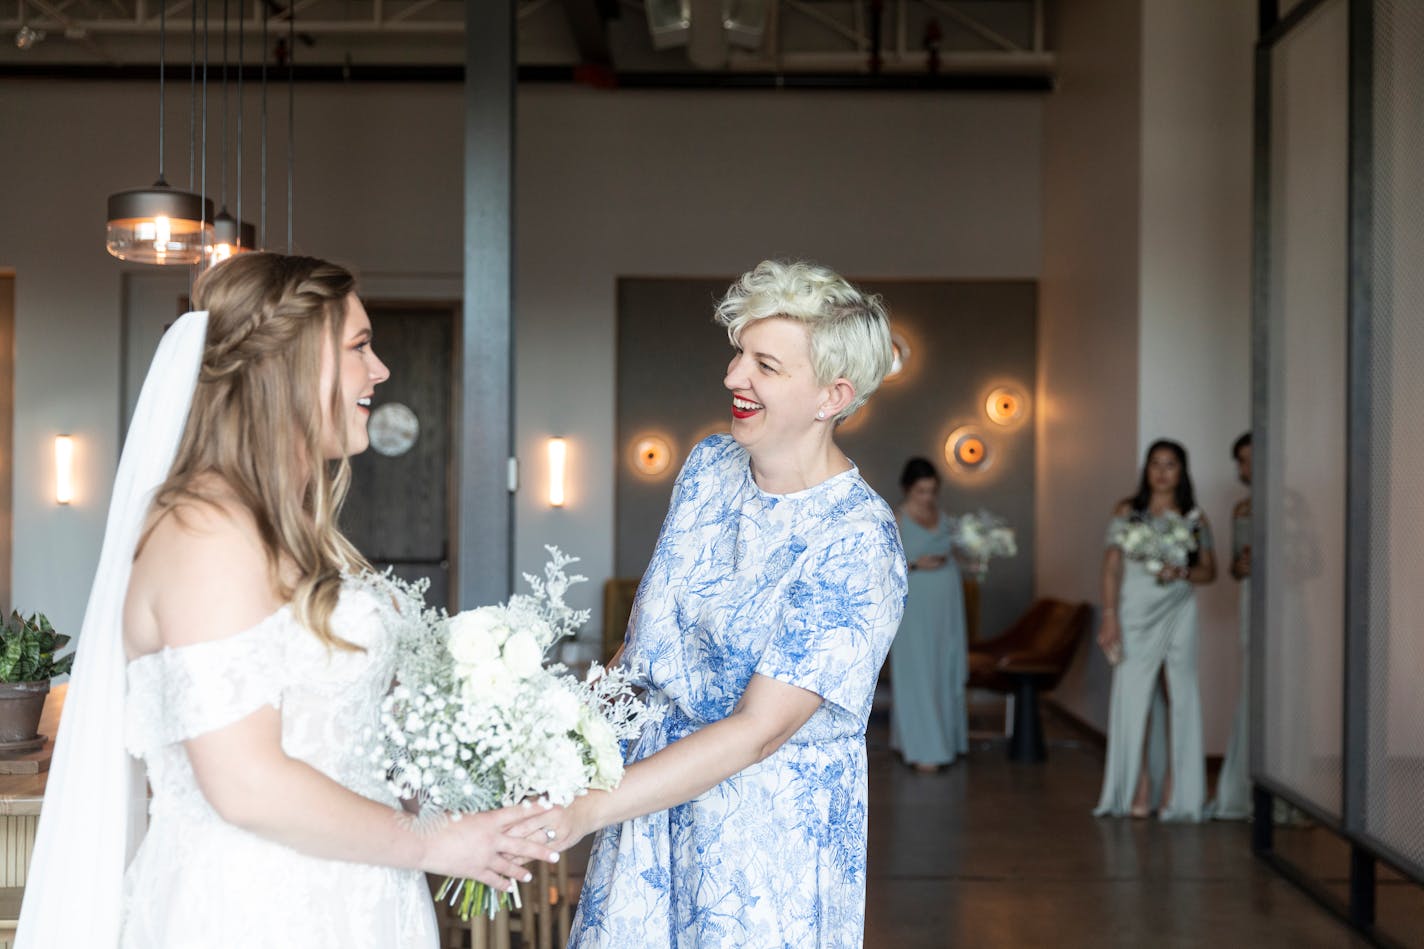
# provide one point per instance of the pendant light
(262, 169)
(230, 235)
(159, 224)
(291, 115)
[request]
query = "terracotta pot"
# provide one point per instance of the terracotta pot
(21, 704)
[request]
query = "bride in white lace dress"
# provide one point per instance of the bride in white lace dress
(256, 650)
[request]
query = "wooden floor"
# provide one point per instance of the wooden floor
(990, 854)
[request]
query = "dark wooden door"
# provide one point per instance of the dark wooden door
(398, 512)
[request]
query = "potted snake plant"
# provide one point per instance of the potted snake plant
(27, 663)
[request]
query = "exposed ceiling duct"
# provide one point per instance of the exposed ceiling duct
(929, 43)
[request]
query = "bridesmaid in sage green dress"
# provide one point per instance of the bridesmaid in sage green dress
(1233, 785)
(1150, 625)
(928, 662)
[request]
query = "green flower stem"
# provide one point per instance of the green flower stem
(477, 898)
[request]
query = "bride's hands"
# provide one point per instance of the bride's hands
(558, 827)
(484, 847)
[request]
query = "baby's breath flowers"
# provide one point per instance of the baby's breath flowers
(478, 721)
(1167, 540)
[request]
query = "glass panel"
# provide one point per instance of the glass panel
(1304, 494)
(1396, 595)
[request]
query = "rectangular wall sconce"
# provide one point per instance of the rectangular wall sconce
(558, 463)
(63, 469)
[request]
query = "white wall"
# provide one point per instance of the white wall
(1088, 318)
(1146, 295)
(378, 186)
(1194, 344)
(890, 185)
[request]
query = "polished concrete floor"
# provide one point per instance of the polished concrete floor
(990, 854)
(995, 854)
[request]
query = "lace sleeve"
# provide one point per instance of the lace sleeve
(177, 694)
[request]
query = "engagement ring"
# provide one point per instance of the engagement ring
(550, 833)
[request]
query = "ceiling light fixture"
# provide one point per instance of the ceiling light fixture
(158, 224)
(230, 235)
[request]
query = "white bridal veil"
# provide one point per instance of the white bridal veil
(95, 799)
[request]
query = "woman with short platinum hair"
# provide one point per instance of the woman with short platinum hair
(758, 631)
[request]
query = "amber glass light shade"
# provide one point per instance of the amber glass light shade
(159, 225)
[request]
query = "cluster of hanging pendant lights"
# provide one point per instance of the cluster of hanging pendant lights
(163, 225)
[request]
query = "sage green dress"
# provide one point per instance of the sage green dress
(929, 665)
(1233, 786)
(1159, 631)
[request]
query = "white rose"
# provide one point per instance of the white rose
(471, 635)
(607, 758)
(562, 710)
(565, 760)
(489, 683)
(522, 655)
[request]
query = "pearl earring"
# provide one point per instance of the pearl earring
(820, 415)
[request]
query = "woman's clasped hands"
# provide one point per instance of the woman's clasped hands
(556, 826)
(486, 847)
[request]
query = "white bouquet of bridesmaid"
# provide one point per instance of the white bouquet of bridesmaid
(478, 721)
(1157, 542)
(981, 536)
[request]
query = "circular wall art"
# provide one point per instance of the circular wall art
(651, 455)
(1006, 405)
(966, 451)
(393, 429)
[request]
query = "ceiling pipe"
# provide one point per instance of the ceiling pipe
(950, 79)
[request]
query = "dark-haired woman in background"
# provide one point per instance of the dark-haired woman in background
(1233, 783)
(928, 665)
(1149, 623)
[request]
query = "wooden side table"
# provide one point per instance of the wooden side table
(20, 799)
(971, 610)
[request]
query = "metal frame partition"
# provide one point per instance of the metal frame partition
(1295, 752)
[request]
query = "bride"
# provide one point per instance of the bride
(237, 644)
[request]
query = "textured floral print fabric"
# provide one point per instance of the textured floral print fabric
(807, 588)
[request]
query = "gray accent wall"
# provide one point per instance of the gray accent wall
(965, 338)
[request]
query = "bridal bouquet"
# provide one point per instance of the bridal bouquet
(1157, 542)
(981, 536)
(478, 721)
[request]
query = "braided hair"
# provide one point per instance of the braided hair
(255, 427)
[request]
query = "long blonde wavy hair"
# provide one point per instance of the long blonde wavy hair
(256, 422)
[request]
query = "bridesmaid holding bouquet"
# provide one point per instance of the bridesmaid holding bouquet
(1159, 549)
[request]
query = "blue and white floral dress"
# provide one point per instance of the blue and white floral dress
(807, 588)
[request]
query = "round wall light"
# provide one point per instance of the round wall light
(899, 355)
(966, 450)
(1006, 405)
(651, 455)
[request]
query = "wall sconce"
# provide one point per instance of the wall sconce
(558, 462)
(63, 469)
(1006, 405)
(966, 451)
(651, 455)
(899, 355)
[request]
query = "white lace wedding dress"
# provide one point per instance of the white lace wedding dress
(200, 882)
